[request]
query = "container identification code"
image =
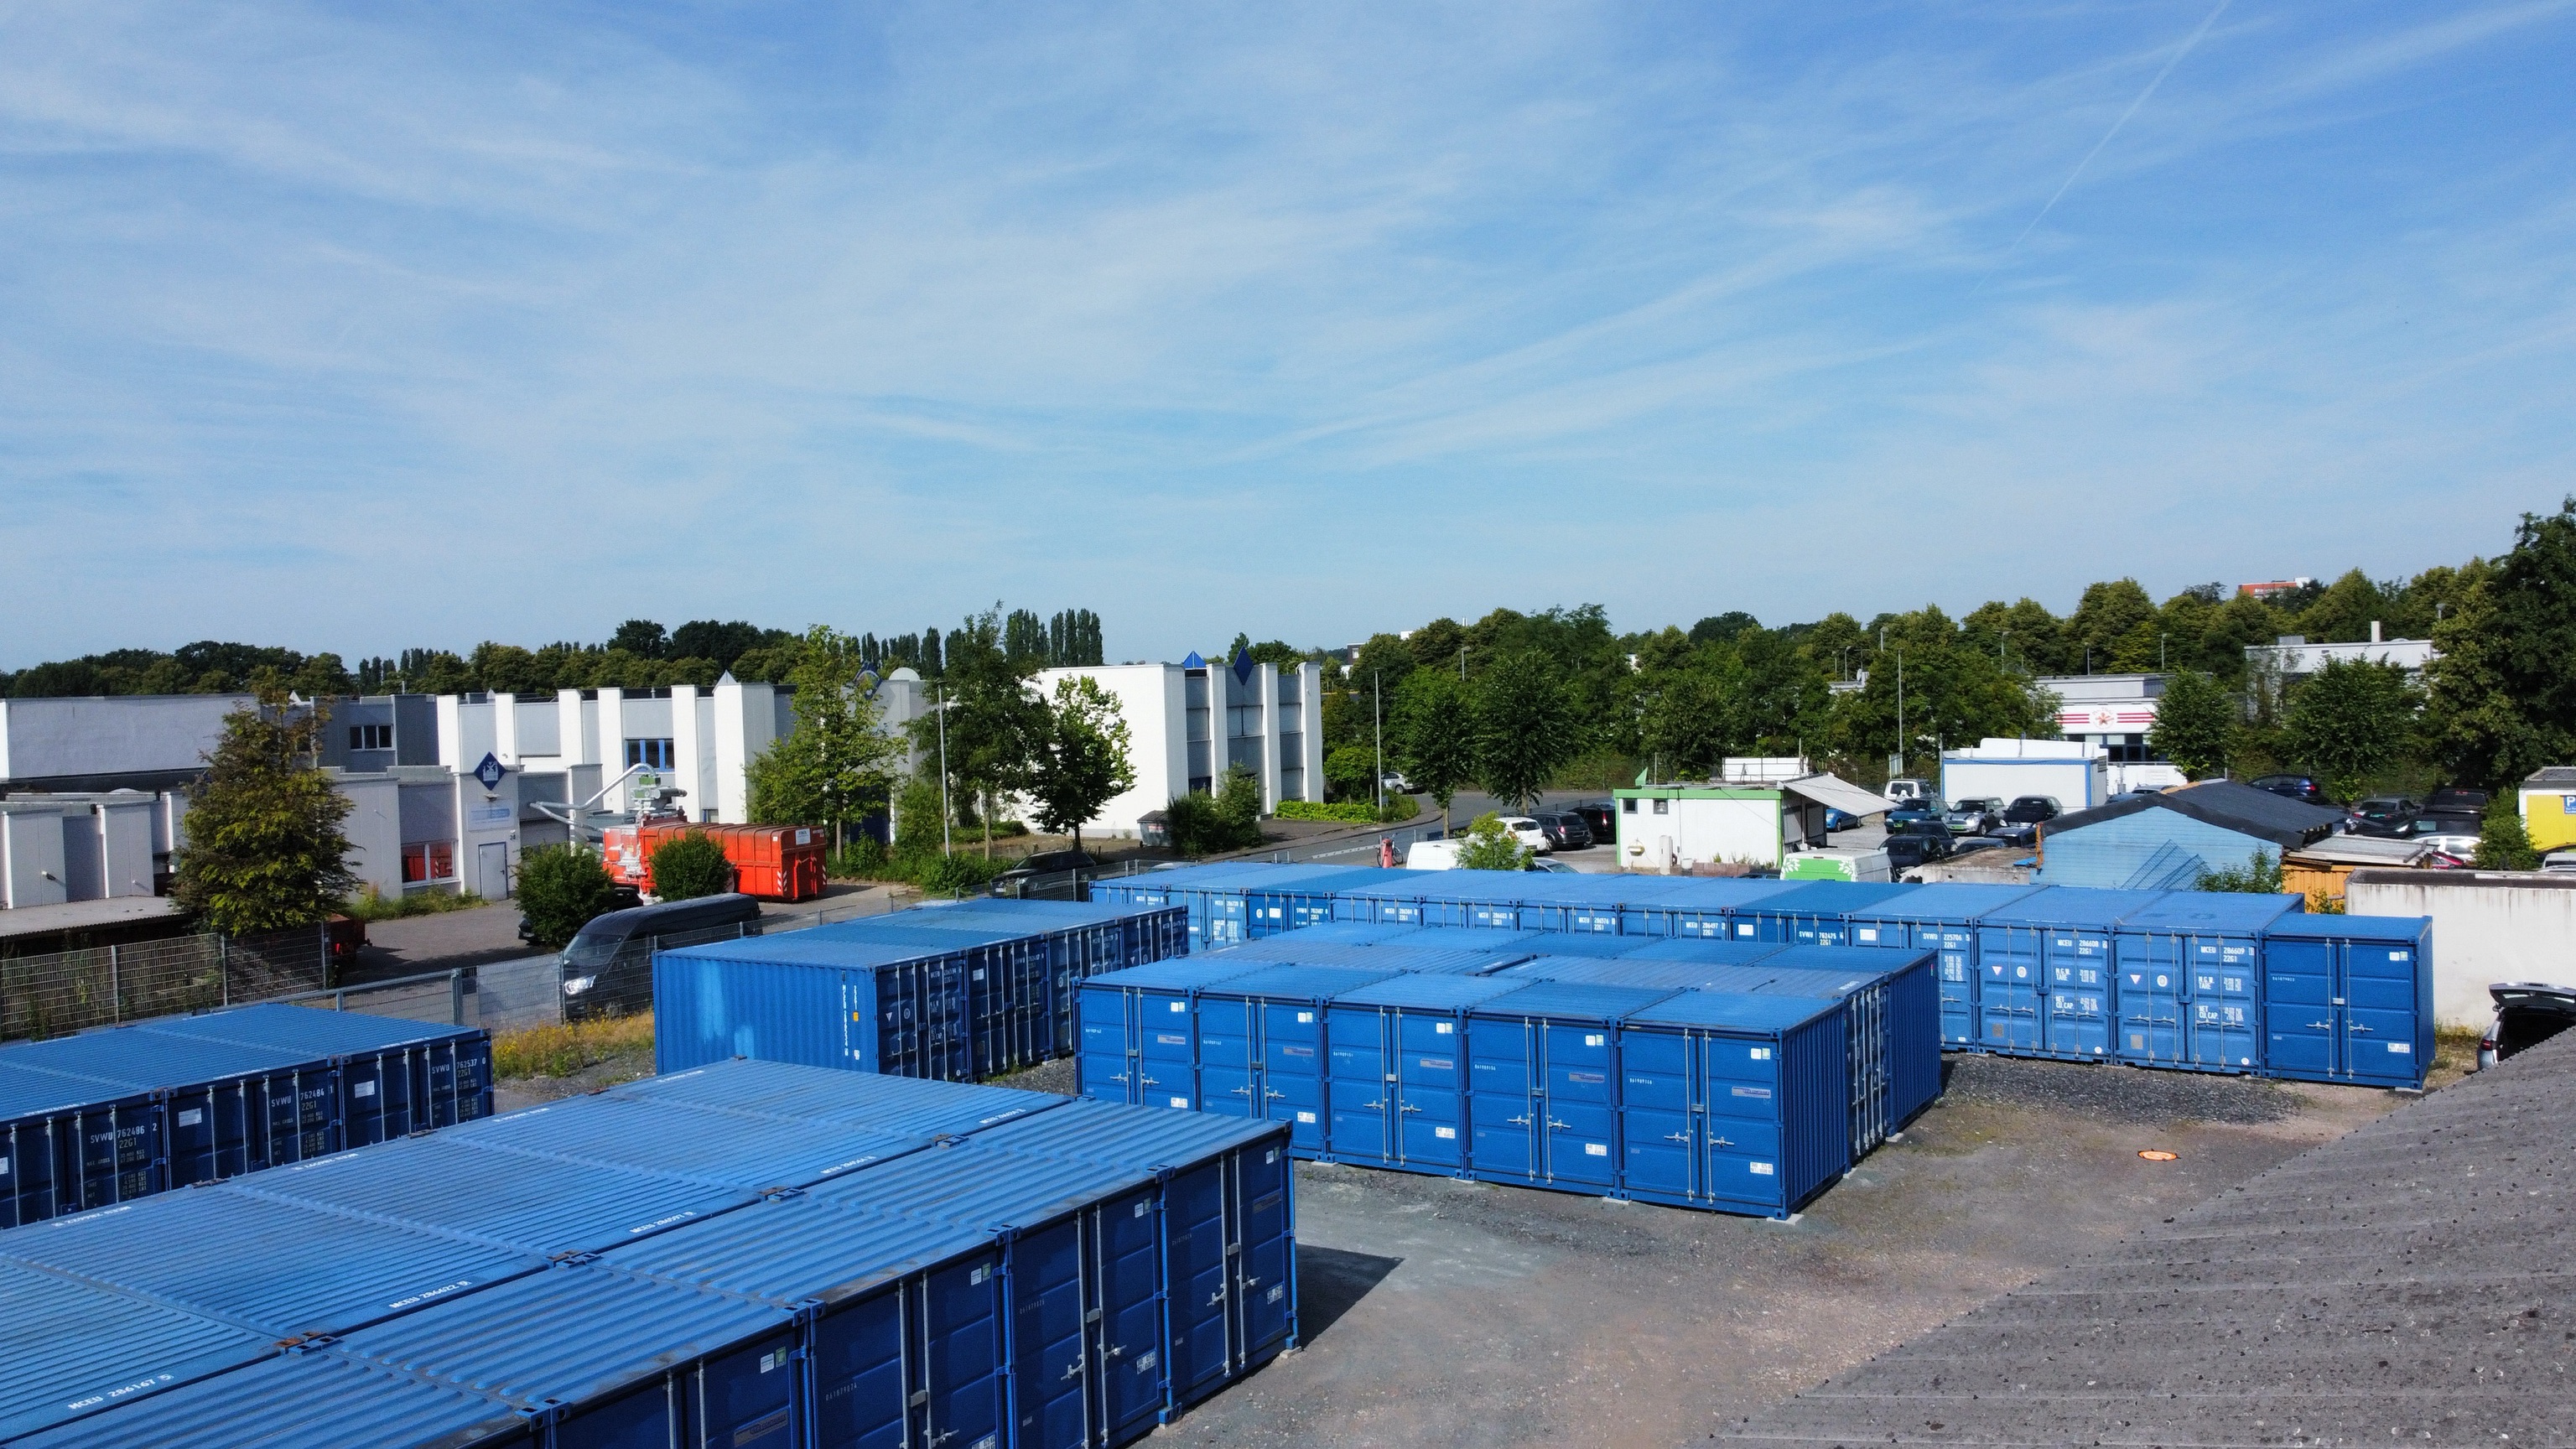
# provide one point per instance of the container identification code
(1759, 1094)
(1177, 1006)
(365, 1089)
(1307, 1118)
(1596, 1149)
(1305, 1018)
(189, 1118)
(1594, 1038)
(1444, 1028)
(1445, 1134)
(1758, 1054)
(1759, 1169)
(1182, 1103)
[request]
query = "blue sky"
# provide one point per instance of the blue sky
(358, 328)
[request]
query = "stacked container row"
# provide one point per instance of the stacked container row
(2176, 979)
(952, 993)
(1520, 1075)
(120, 1113)
(925, 1264)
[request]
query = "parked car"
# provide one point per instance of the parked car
(1920, 811)
(1431, 855)
(2296, 787)
(1908, 789)
(1565, 830)
(1394, 783)
(1527, 831)
(2381, 816)
(1541, 862)
(2143, 792)
(1838, 820)
(2527, 1014)
(2452, 799)
(2559, 862)
(2450, 834)
(1973, 816)
(607, 970)
(1912, 847)
(1967, 843)
(1600, 819)
(1016, 880)
(2024, 816)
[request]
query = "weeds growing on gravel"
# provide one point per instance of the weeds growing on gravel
(560, 1051)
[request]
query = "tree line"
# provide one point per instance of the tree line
(640, 654)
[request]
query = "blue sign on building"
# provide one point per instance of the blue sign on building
(490, 772)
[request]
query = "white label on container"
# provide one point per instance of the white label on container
(1868, 933)
(4, 1167)
(1594, 1038)
(2406, 1047)
(1445, 1134)
(366, 1089)
(1760, 1169)
(1140, 1210)
(1758, 1094)
(979, 974)
(1145, 1362)
(770, 1361)
(1306, 1117)
(1182, 1103)
(1305, 1018)
(1596, 1149)
(1444, 1028)
(1271, 1158)
(1177, 1006)
(977, 1277)
(191, 1116)
(1744, 928)
(1759, 1054)
(2401, 955)
(989, 1441)
(1277, 1292)
(805, 837)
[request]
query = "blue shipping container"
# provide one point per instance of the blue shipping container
(1733, 1102)
(2349, 999)
(1261, 1050)
(2044, 965)
(1943, 917)
(1543, 1085)
(1396, 1070)
(1140, 1043)
(2189, 979)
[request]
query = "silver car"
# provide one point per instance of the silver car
(1973, 817)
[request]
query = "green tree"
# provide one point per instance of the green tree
(2259, 875)
(1079, 760)
(993, 718)
(2195, 722)
(839, 764)
(1350, 772)
(265, 851)
(920, 833)
(1488, 846)
(2504, 843)
(1238, 808)
(2107, 616)
(561, 889)
(2350, 721)
(1525, 728)
(1432, 736)
(688, 866)
(2504, 684)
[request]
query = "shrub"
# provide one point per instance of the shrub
(2504, 843)
(2259, 875)
(561, 887)
(1238, 807)
(1488, 846)
(371, 905)
(1357, 812)
(1229, 820)
(1400, 807)
(686, 867)
(560, 1051)
(950, 875)
(865, 858)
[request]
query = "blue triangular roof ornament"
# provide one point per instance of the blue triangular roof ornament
(1194, 661)
(1243, 666)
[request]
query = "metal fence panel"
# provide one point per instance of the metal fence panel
(68, 991)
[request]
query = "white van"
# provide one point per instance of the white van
(1431, 855)
(1900, 792)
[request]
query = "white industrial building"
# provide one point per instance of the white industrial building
(92, 790)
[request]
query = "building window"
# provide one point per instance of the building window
(1663, 807)
(652, 754)
(1628, 806)
(429, 860)
(371, 737)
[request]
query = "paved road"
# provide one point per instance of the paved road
(490, 933)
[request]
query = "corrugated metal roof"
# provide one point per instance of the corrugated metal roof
(2074, 906)
(1833, 897)
(1846, 960)
(897, 1106)
(1123, 1136)
(1181, 973)
(573, 1335)
(2225, 804)
(1838, 793)
(310, 1400)
(704, 1144)
(1618, 971)
(309, 1030)
(1431, 992)
(1301, 983)
(819, 946)
(2228, 911)
(68, 1348)
(28, 1091)
(973, 1185)
(1572, 998)
(793, 1250)
(2407, 1283)
(1707, 950)
(1944, 901)
(2305, 927)
(1741, 1011)
(134, 1060)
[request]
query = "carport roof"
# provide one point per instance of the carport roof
(2414, 1280)
(2226, 804)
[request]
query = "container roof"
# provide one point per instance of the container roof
(1573, 999)
(1299, 983)
(1871, 961)
(2212, 911)
(899, 1106)
(1626, 971)
(2306, 927)
(1180, 973)
(1834, 897)
(1733, 1010)
(2077, 906)
(1432, 992)
(309, 1028)
(1940, 901)
(792, 1250)
(305, 1398)
(1708, 950)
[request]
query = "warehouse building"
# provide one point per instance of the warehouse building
(1191, 722)
(2168, 841)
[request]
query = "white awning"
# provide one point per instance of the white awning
(1838, 794)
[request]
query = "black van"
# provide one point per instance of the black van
(608, 968)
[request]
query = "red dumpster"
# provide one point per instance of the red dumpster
(773, 862)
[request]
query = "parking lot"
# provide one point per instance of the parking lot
(1438, 1312)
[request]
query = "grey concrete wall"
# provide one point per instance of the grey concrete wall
(2488, 926)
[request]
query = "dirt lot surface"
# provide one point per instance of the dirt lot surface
(1444, 1313)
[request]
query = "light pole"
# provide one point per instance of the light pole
(2160, 654)
(1462, 663)
(1377, 727)
(1900, 711)
(941, 709)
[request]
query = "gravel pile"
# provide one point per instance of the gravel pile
(2117, 1093)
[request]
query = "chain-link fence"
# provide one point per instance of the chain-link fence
(68, 991)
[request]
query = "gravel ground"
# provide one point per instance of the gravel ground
(2118, 1093)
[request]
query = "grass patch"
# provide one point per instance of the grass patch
(368, 905)
(560, 1051)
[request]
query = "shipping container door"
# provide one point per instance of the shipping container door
(1127, 1244)
(1581, 1081)
(2078, 1007)
(460, 1080)
(1109, 1045)
(959, 1385)
(2153, 1024)
(2226, 1005)
(1225, 918)
(860, 1366)
(2299, 1025)
(1430, 1091)
(30, 1157)
(1203, 1333)
(1656, 1117)
(1957, 972)
(1229, 1032)
(882, 1019)
(376, 1098)
(1292, 1070)
(1167, 1051)
(1741, 1085)
(1265, 1248)
(748, 1399)
(2379, 1013)
(2009, 987)
(1358, 1067)
(210, 1130)
(1051, 1359)
(1502, 1123)
(115, 1153)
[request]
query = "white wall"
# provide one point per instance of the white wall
(1150, 700)
(1699, 831)
(746, 723)
(125, 735)
(2488, 926)
(374, 828)
(31, 855)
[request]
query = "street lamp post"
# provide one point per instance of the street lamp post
(941, 709)
(1377, 727)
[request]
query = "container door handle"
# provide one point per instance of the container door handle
(1216, 1298)
(1274, 1096)
(1552, 1122)
(1149, 1081)
(1115, 1350)
(2357, 1026)
(1676, 1137)
(1406, 1107)
(2321, 1025)
(1241, 1091)
(1520, 1121)
(1720, 1142)
(1380, 1103)
(1072, 1370)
